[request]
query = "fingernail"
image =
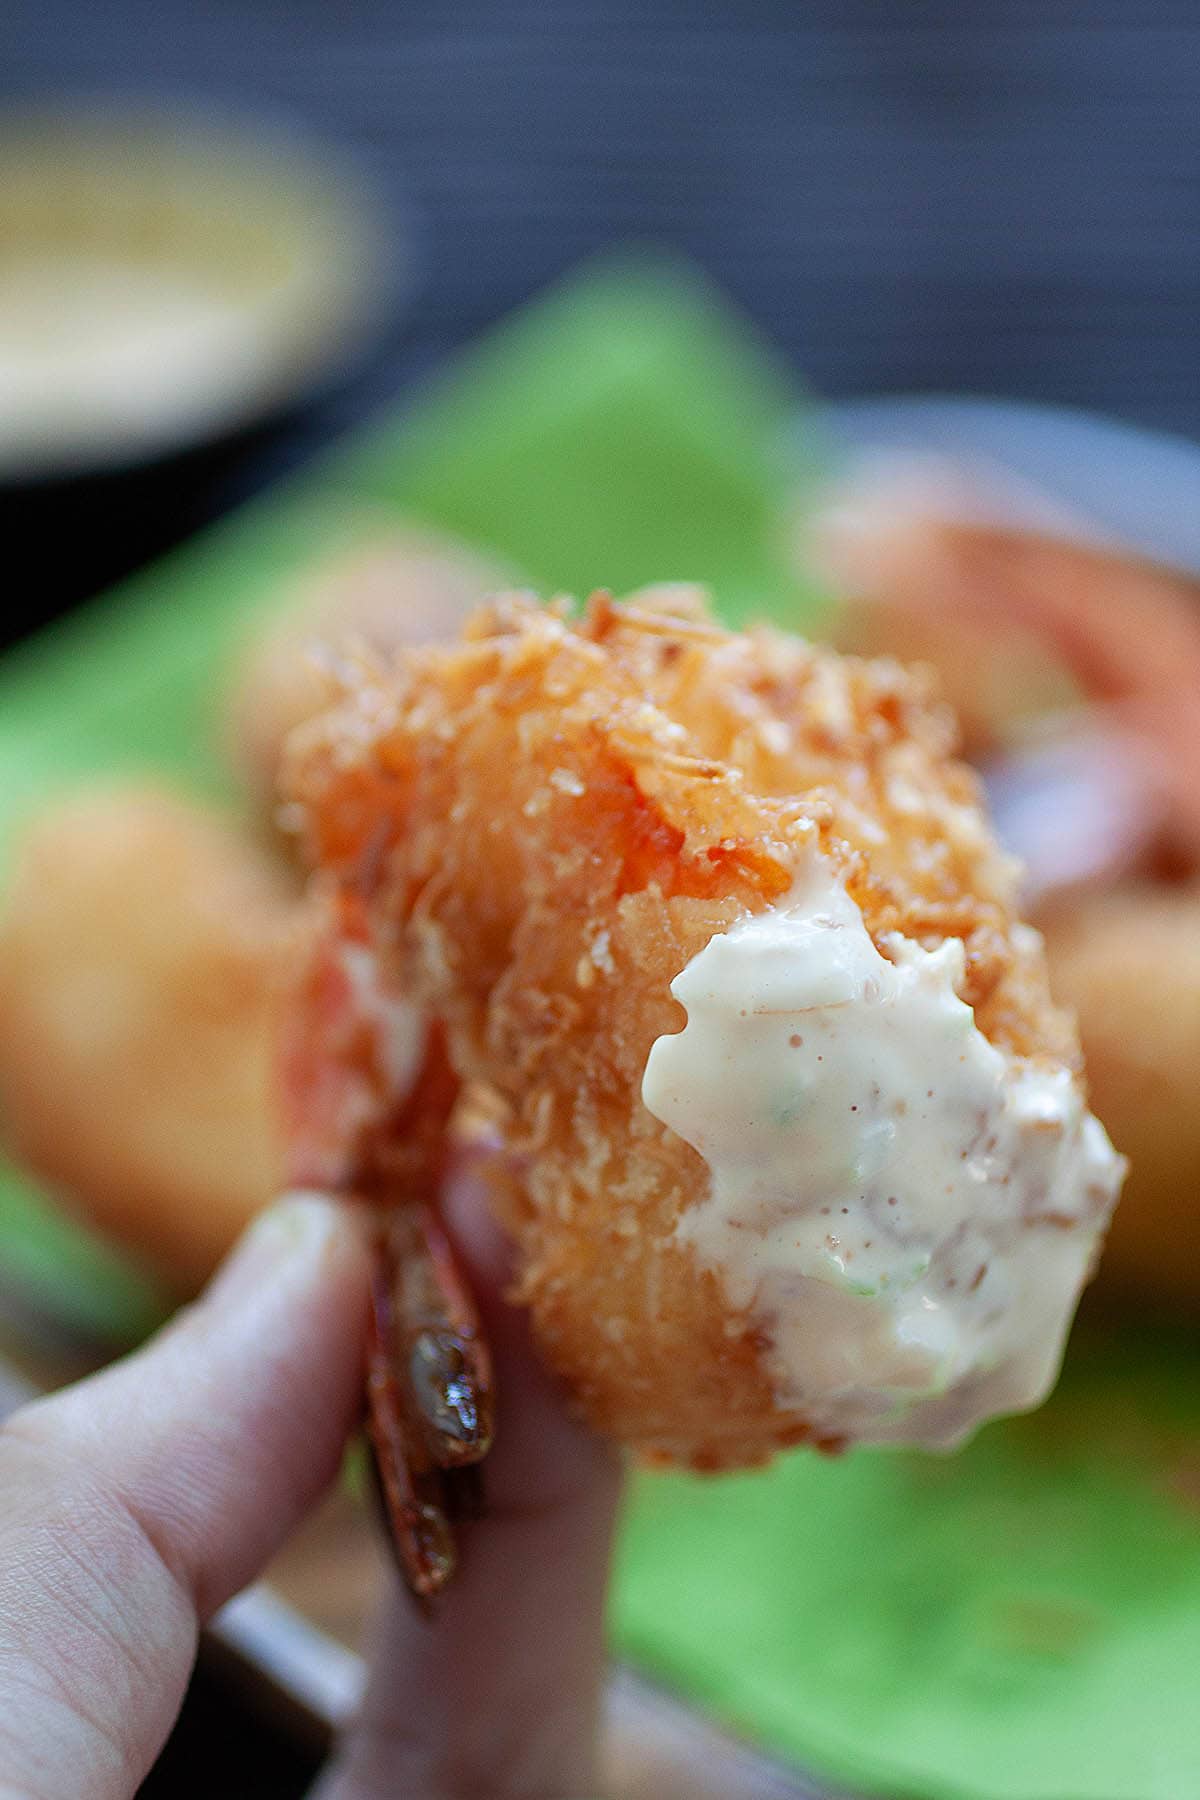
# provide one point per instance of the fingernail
(302, 1226)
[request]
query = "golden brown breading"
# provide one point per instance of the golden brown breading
(141, 947)
(545, 823)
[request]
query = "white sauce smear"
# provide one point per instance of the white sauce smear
(906, 1212)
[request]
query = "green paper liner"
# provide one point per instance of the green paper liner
(1020, 1621)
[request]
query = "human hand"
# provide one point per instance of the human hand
(133, 1505)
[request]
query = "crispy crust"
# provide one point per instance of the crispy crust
(546, 822)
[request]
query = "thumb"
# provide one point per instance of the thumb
(134, 1504)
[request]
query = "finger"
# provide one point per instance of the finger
(135, 1504)
(499, 1693)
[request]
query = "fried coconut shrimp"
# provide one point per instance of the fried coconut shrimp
(793, 1142)
(142, 947)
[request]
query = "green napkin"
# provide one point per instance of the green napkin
(629, 427)
(1019, 1623)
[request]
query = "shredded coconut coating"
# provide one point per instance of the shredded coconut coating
(544, 823)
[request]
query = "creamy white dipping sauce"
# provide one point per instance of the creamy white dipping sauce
(93, 348)
(907, 1213)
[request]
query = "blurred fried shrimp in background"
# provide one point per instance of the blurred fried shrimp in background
(142, 944)
(1075, 667)
(1024, 622)
(899, 544)
(1129, 962)
(393, 585)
